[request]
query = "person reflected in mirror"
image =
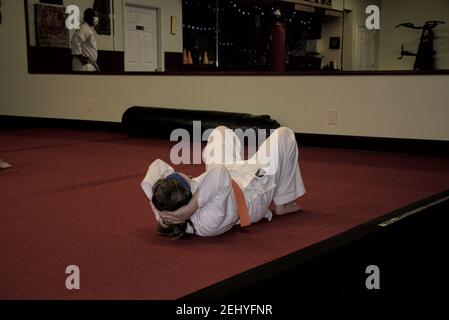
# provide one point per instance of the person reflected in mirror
(84, 44)
(277, 54)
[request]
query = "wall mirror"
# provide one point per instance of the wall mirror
(244, 36)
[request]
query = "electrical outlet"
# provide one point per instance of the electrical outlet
(333, 117)
(90, 106)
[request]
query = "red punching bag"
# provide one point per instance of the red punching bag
(277, 47)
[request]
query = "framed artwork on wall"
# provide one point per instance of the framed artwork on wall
(50, 26)
(334, 43)
(103, 9)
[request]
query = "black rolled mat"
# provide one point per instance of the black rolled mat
(160, 122)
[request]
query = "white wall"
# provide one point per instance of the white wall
(395, 12)
(385, 106)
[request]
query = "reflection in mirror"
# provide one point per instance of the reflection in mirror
(395, 47)
(52, 43)
(245, 35)
(239, 35)
(132, 35)
(429, 47)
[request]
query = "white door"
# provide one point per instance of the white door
(365, 57)
(141, 38)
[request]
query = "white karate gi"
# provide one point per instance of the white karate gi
(217, 211)
(84, 43)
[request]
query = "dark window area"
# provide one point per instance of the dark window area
(199, 30)
(244, 32)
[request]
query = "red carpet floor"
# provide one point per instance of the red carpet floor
(74, 198)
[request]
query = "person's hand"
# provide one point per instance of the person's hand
(84, 60)
(181, 215)
(175, 217)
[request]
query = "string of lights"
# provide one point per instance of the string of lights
(235, 8)
(199, 28)
(244, 11)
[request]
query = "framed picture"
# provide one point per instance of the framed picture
(173, 25)
(103, 9)
(50, 26)
(334, 43)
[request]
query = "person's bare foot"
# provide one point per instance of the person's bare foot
(287, 208)
(4, 165)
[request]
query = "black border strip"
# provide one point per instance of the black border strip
(226, 288)
(411, 207)
(253, 73)
(27, 33)
(395, 145)
(18, 122)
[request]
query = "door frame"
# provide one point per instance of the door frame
(146, 5)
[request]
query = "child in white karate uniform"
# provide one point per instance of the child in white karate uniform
(206, 205)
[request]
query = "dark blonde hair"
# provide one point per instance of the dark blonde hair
(170, 195)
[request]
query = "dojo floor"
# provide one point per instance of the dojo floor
(74, 198)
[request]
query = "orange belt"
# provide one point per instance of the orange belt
(241, 205)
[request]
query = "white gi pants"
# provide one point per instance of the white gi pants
(77, 65)
(283, 185)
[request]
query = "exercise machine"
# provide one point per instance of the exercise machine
(425, 58)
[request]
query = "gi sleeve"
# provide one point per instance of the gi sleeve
(157, 170)
(213, 200)
(79, 37)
